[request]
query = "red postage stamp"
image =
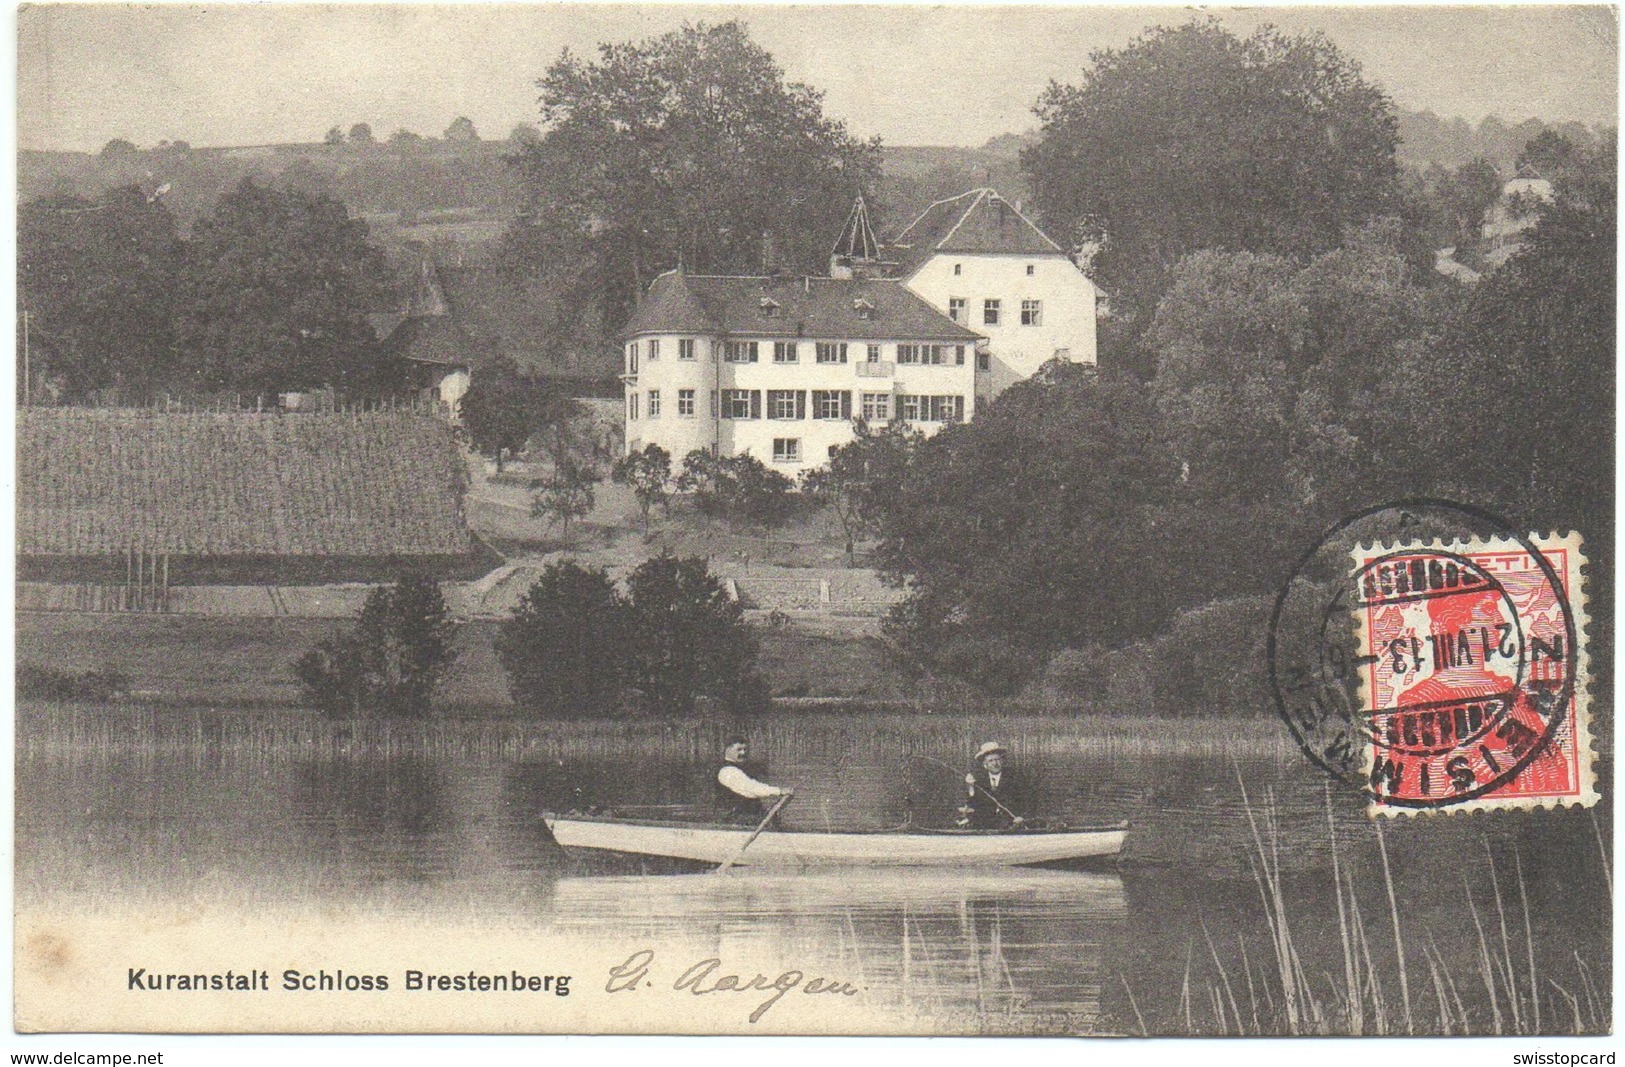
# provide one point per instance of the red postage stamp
(1473, 674)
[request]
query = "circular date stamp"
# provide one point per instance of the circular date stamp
(1429, 656)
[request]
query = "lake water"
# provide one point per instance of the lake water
(239, 813)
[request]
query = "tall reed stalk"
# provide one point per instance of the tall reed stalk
(1353, 1003)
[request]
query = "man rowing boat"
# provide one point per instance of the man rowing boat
(738, 794)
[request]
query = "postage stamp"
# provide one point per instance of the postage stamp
(1427, 655)
(1472, 674)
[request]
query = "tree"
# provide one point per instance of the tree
(861, 476)
(404, 138)
(97, 283)
(1472, 188)
(687, 639)
(1192, 138)
(1034, 528)
(504, 408)
(562, 647)
(119, 148)
(1266, 393)
(391, 662)
(334, 137)
(1527, 417)
(648, 474)
(361, 133)
(462, 131)
(565, 495)
(1551, 155)
(688, 147)
(524, 134)
(274, 295)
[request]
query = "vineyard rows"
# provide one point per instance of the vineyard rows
(333, 484)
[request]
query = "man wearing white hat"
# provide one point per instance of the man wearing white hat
(994, 799)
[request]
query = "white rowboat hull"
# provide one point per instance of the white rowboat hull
(716, 844)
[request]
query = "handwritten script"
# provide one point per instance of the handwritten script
(709, 976)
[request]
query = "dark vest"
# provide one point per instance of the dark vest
(730, 805)
(984, 813)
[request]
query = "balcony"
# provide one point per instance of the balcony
(877, 369)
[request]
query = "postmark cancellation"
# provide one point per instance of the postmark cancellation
(1472, 674)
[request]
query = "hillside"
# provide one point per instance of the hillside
(463, 192)
(466, 192)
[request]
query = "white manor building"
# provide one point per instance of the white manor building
(779, 366)
(983, 263)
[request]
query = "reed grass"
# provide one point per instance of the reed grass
(1351, 996)
(90, 732)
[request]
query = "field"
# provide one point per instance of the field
(223, 662)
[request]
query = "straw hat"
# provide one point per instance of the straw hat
(990, 748)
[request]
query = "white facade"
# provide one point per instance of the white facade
(788, 408)
(451, 390)
(1031, 307)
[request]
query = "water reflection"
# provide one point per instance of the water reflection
(984, 951)
(435, 819)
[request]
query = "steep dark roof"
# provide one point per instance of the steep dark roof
(979, 222)
(92, 482)
(432, 339)
(805, 307)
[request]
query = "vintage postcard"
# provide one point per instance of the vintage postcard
(613, 519)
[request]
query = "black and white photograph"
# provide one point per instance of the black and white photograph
(841, 521)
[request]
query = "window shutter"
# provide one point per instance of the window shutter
(801, 403)
(755, 403)
(846, 405)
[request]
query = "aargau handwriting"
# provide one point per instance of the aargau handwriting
(709, 976)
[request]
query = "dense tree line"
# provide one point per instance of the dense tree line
(1289, 384)
(269, 293)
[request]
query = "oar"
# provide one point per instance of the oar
(754, 834)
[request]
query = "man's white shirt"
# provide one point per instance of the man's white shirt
(734, 778)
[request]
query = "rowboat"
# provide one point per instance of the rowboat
(902, 847)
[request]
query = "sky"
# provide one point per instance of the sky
(239, 74)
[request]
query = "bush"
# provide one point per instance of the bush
(741, 489)
(688, 639)
(562, 648)
(391, 662)
(1210, 661)
(574, 644)
(48, 683)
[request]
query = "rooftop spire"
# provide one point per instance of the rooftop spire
(857, 240)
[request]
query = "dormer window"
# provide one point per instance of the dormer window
(770, 308)
(864, 309)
